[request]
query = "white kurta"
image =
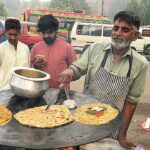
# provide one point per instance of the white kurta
(9, 58)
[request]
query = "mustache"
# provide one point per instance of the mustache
(13, 42)
(118, 39)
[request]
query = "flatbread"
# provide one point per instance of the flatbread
(38, 117)
(89, 114)
(5, 115)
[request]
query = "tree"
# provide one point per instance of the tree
(141, 9)
(2, 9)
(70, 5)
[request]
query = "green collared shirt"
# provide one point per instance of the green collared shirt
(91, 60)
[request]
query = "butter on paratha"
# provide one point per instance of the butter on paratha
(87, 114)
(5, 115)
(38, 117)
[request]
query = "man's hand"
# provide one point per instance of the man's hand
(128, 111)
(125, 143)
(39, 62)
(65, 77)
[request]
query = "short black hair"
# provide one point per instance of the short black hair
(129, 17)
(12, 24)
(47, 22)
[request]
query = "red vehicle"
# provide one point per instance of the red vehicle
(66, 19)
(29, 35)
(33, 16)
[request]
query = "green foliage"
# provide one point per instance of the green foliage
(2, 9)
(70, 5)
(141, 8)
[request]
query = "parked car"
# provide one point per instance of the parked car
(139, 44)
(145, 33)
(84, 34)
(29, 35)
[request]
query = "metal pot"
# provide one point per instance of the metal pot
(29, 82)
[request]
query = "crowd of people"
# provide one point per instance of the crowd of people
(114, 71)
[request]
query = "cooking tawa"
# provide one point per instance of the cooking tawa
(15, 134)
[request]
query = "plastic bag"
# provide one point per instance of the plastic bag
(139, 147)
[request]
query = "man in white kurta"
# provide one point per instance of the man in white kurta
(12, 53)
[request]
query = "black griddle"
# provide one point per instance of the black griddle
(17, 135)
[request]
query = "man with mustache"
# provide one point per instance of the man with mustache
(53, 54)
(12, 52)
(114, 72)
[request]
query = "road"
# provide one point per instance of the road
(135, 133)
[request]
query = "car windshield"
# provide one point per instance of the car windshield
(107, 31)
(90, 30)
(31, 28)
(94, 30)
(146, 33)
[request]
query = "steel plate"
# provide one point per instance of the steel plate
(15, 134)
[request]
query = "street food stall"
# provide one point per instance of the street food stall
(75, 133)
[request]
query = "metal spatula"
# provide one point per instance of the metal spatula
(48, 106)
(53, 96)
(67, 94)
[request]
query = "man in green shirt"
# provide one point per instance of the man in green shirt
(114, 72)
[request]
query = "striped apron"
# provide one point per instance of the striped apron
(106, 86)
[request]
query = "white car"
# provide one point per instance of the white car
(145, 33)
(87, 33)
(139, 44)
(84, 34)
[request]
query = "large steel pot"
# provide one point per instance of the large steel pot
(29, 82)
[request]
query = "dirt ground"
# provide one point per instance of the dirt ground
(135, 133)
